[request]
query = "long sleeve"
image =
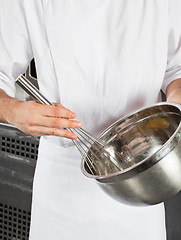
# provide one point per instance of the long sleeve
(15, 47)
(173, 70)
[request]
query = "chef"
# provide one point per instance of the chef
(97, 60)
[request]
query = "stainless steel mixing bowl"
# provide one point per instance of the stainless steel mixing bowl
(147, 147)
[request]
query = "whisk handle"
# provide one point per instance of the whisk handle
(32, 91)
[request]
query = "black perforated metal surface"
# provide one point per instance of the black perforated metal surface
(19, 147)
(18, 155)
(14, 223)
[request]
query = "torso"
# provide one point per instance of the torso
(102, 59)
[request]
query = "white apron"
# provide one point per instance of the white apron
(101, 59)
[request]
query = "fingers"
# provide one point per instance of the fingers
(38, 119)
(53, 122)
(52, 117)
(41, 131)
(54, 111)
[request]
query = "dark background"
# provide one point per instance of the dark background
(173, 217)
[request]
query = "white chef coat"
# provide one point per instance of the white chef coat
(102, 59)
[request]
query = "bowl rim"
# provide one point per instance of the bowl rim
(142, 162)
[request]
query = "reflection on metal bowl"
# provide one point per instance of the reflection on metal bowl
(146, 146)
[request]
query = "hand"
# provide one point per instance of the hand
(38, 119)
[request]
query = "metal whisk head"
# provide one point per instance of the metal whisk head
(92, 149)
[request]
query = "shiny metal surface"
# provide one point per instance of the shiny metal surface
(148, 143)
(31, 90)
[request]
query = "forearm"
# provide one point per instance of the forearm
(173, 92)
(7, 107)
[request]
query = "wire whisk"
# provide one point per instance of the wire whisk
(91, 148)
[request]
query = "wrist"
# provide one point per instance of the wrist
(8, 108)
